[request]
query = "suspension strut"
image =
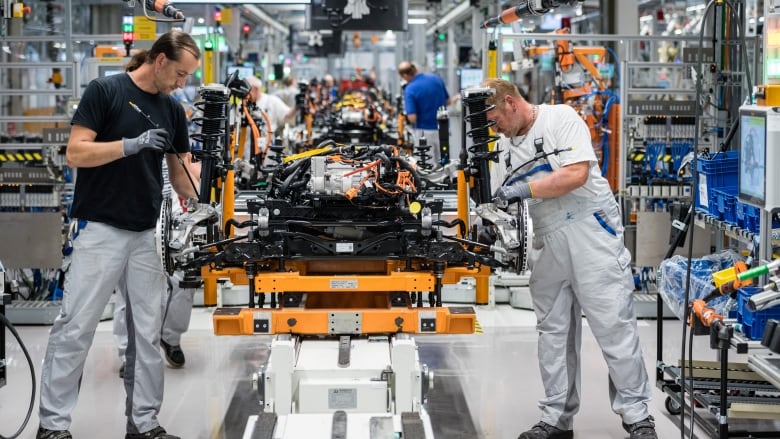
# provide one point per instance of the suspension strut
(475, 100)
(214, 106)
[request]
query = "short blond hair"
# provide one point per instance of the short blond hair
(502, 88)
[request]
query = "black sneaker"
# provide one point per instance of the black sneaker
(644, 429)
(543, 430)
(122, 370)
(156, 433)
(52, 434)
(173, 354)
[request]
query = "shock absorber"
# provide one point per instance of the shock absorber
(444, 135)
(214, 107)
(475, 100)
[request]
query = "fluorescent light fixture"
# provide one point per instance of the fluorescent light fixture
(459, 12)
(417, 20)
(265, 18)
(243, 2)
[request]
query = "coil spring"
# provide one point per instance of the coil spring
(214, 108)
(479, 124)
(423, 150)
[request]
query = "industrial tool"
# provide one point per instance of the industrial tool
(162, 7)
(771, 295)
(727, 281)
(527, 8)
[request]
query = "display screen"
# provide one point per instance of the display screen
(330, 43)
(752, 157)
(243, 71)
(377, 16)
(470, 78)
(110, 70)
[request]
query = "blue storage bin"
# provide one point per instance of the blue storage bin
(725, 199)
(752, 218)
(739, 210)
(717, 172)
(753, 322)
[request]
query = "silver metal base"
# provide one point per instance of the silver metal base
(318, 426)
(43, 312)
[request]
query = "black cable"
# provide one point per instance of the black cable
(694, 179)
(32, 375)
(694, 170)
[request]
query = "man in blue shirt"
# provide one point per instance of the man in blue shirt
(424, 94)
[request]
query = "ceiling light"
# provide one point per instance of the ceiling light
(417, 20)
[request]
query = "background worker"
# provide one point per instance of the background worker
(579, 263)
(288, 91)
(118, 149)
(279, 113)
(424, 94)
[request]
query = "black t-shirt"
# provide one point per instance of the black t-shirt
(125, 193)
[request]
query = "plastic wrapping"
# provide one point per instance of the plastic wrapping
(671, 280)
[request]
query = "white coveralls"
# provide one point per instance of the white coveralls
(579, 263)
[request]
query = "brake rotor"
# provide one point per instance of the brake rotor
(163, 235)
(525, 230)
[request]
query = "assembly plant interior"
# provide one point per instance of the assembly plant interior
(359, 261)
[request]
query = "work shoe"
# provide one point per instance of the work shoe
(543, 430)
(122, 370)
(644, 429)
(52, 434)
(156, 433)
(173, 354)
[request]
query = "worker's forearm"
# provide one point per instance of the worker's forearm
(559, 182)
(88, 154)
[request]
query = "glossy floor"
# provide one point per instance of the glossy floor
(486, 385)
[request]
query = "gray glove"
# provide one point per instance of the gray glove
(155, 138)
(506, 195)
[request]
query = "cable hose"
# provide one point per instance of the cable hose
(32, 375)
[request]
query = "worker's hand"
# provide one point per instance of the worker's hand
(155, 138)
(506, 195)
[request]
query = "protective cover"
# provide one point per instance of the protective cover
(671, 280)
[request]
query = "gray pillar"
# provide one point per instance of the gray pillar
(417, 49)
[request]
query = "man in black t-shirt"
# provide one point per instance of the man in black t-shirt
(124, 125)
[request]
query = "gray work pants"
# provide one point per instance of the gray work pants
(103, 258)
(176, 307)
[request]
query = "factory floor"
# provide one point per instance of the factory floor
(486, 385)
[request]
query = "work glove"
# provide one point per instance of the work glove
(155, 138)
(506, 195)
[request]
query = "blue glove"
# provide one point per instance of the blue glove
(155, 138)
(506, 195)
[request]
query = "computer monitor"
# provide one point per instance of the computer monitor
(470, 78)
(752, 156)
(243, 71)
